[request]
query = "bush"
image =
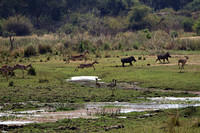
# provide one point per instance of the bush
(20, 25)
(196, 27)
(174, 34)
(11, 83)
(43, 49)
(106, 46)
(85, 45)
(32, 71)
(187, 25)
(29, 51)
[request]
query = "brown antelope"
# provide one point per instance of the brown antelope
(97, 84)
(22, 67)
(9, 69)
(86, 65)
(182, 62)
(79, 57)
(4, 72)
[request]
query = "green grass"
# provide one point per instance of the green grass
(56, 89)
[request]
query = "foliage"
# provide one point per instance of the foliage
(85, 45)
(43, 49)
(19, 25)
(194, 5)
(29, 51)
(187, 25)
(196, 27)
(137, 17)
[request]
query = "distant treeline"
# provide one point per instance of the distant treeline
(94, 16)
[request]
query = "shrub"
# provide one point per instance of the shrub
(20, 25)
(106, 46)
(11, 83)
(32, 71)
(187, 25)
(29, 51)
(174, 34)
(85, 45)
(43, 49)
(196, 27)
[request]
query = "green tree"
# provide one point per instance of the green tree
(196, 26)
(19, 25)
(137, 17)
(187, 25)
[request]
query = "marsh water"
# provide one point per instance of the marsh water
(91, 110)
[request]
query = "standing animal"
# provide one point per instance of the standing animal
(22, 67)
(112, 85)
(97, 83)
(182, 62)
(9, 69)
(78, 57)
(86, 65)
(128, 60)
(163, 57)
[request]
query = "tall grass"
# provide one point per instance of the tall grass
(187, 44)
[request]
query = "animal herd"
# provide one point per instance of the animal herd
(161, 58)
(7, 70)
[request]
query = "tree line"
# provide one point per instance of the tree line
(94, 16)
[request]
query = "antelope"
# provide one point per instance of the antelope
(86, 65)
(9, 69)
(80, 57)
(182, 62)
(97, 84)
(4, 72)
(22, 67)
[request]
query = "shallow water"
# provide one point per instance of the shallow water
(83, 78)
(15, 122)
(134, 107)
(175, 99)
(89, 110)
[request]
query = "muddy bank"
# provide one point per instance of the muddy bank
(90, 110)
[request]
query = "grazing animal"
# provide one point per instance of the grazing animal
(128, 60)
(9, 69)
(182, 62)
(4, 72)
(87, 65)
(79, 57)
(97, 83)
(163, 57)
(22, 67)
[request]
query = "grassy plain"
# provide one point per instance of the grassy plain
(55, 89)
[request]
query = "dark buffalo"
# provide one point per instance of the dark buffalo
(128, 60)
(163, 57)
